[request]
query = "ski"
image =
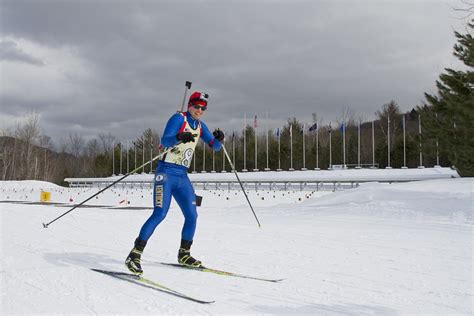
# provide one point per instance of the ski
(219, 272)
(139, 280)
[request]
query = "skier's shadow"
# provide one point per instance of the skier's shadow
(82, 259)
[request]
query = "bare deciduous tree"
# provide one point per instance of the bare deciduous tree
(76, 144)
(348, 117)
(93, 148)
(28, 133)
(7, 155)
(106, 141)
(390, 113)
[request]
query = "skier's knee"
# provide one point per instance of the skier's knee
(191, 218)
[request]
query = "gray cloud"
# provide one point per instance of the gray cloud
(290, 58)
(9, 51)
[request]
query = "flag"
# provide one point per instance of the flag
(233, 135)
(255, 125)
(278, 132)
(313, 127)
(341, 128)
(291, 130)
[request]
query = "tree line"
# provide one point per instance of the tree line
(445, 139)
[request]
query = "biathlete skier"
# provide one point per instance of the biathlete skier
(182, 131)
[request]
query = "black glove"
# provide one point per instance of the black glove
(185, 137)
(218, 134)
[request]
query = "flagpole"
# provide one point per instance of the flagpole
(266, 132)
(373, 144)
(194, 161)
(358, 146)
(437, 146)
(203, 157)
(279, 155)
(317, 148)
(388, 142)
(419, 133)
(143, 155)
(121, 153)
(256, 152)
(135, 152)
(245, 143)
(291, 148)
(223, 157)
(330, 147)
(128, 164)
(404, 145)
(113, 158)
(304, 149)
(233, 149)
(151, 152)
(344, 143)
(213, 162)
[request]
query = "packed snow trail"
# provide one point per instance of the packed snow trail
(379, 249)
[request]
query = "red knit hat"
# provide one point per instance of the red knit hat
(198, 98)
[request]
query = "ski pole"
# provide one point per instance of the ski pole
(240, 182)
(187, 86)
(45, 225)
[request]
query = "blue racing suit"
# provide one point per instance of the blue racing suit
(172, 180)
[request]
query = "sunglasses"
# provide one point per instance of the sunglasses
(197, 107)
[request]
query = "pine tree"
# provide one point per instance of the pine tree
(448, 116)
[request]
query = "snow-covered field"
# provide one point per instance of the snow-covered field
(379, 249)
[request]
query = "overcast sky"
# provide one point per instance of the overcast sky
(91, 67)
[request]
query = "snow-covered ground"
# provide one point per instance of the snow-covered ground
(401, 248)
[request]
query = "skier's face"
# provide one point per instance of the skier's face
(196, 112)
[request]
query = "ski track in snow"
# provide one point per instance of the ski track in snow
(379, 249)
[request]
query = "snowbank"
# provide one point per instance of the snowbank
(451, 199)
(356, 175)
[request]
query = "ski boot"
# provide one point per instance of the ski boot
(184, 255)
(133, 260)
